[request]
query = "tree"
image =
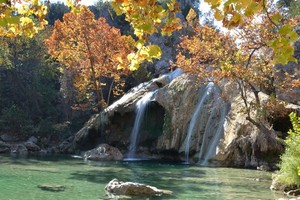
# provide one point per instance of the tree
(91, 49)
(234, 13)
(214, 56)
(56, 11)
(293, 6)
(29, 86)
(21, 17)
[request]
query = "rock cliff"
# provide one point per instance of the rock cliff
(164, 131)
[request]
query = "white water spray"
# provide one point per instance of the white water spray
(141, 106)
(207, 91)
(213, 132)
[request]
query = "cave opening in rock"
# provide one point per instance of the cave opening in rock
(152, 126)
(282, 124)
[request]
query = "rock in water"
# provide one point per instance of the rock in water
(116, 187)
(103, 152)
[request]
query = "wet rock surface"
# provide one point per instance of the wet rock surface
(116, 187)
(103, 152)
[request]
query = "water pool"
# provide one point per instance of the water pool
(20, 177)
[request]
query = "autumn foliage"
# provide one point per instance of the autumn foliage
(91, 49)
(244, 56)
(148, 17)
(12, 25)
(236, 13)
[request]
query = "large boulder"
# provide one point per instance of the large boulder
(31, 146)
(32, 139)
(250, 145)
(103, 152)
(18, 149)
(117, 187)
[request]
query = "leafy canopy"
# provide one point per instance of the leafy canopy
(21, 17)
(91, 49)
(235, 13)
(148, 17)
(212, 55)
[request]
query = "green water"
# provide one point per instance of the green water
(19, 178)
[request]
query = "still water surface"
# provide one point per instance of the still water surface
(19, 178)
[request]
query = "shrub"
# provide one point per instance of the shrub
(289, 173)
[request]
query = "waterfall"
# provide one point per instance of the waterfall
(141, 106)
(196, 114)
(213, 131)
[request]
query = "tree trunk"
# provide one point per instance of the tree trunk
(98, 89)
(110, 90)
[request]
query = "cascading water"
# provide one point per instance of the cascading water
(207, 91)
(141, 106)
(213, 131)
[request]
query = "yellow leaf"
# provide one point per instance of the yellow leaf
(214, 3)
(218, 15)
(131, 56)
(154, 51)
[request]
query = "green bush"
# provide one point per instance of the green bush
(289, 173)
(15, 121)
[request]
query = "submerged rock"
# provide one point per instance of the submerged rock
(103, 152)
(117, 187)
(52, 187)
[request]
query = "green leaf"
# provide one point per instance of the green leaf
(286, 29)
(3, 22)
(13, 20)
(276, 18)
(293, 36)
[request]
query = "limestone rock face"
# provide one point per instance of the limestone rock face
(178, 99)
(103, 152)
(130, 188)
(246, 145)
(165, 133)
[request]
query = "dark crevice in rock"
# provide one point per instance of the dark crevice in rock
(282, 124)
(170, 155)
(121, 124)
(152, 126)
(119, 130)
